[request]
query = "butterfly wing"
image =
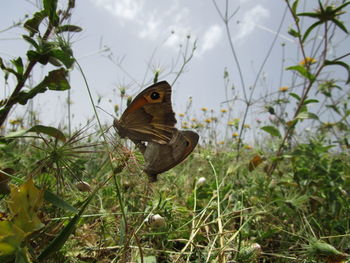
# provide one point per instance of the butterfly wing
(162, 157)
(150, 116)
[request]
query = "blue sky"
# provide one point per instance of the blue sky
(123, 41)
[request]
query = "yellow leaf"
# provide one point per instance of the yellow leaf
(11, 238)
(24, 204)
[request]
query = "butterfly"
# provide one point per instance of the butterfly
(149, 117)
(149, 121)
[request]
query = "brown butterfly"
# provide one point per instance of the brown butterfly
(150, 116)
(160, 158)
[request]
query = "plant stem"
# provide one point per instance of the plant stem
(12, 99)
(21, 81)
(221, 256)
(306, 91)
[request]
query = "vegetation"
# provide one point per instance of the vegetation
(83, 197)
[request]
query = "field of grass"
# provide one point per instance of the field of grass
(82, 196)
(210, 208)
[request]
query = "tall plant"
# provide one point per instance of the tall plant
(47, 45)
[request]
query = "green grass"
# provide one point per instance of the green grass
(236, 214)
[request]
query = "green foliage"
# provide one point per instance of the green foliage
(55, 80)
(303, 72)
(273, 131)
(40, 129)
(324, 14)
(46, 48)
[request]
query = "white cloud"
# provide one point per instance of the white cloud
(123, 9)
(211, 38)
(128, 9)
(178, 26)
(180, 15)
(173, 41)
(150, 28)
(249, 21)
(171, 25)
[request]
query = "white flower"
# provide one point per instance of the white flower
(201, 181)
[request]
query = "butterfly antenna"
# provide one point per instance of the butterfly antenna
(105, 111)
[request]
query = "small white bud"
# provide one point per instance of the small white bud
(256, 247)
(201, 181)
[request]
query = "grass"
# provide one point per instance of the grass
(235, 214)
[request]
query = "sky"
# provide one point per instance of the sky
(124, 41)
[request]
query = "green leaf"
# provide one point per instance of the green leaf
(64, 57)
(2, 65)
(272, 130)
(14, 134)
(50, 7)
(308, 31)
(55, 80)
(307, 115)
(303, 108)
(295, 6)
(30, 40)
(309, 14)
(310, 101)
(35, 56)
(302, 71)
(292, 123)
(55, 62)
(341, 7)
(340, 24)
(58, 202)
(313, 116)
(6, 72)
(69, 28)
(293, 32)
(320, 248)
(321, 6)
(339, 63)
(51, 131)
(18, 63)
(32, 25)
(294, 95)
